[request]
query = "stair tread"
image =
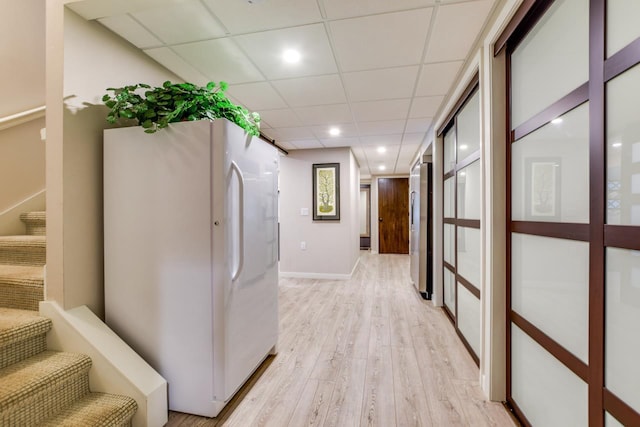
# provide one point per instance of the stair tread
(23, 241)
(26, 275)
(96, 410)
(38, 373)
(18, 325)
(36, 216)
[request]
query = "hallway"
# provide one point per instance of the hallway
(367, 351)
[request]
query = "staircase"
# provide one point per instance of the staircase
(39, 387)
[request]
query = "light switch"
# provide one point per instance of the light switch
(304, 211)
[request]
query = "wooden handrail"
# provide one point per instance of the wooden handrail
(22, 117)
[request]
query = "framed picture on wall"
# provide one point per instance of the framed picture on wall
(326, 192)
(542, 188)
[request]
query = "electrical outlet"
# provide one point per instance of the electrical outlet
(303, 246)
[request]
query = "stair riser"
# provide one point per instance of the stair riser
(20, 296)
(16, 255)
(36, 230)
(22, 350)
(46, 402)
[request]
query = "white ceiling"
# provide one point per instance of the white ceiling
(378, 70)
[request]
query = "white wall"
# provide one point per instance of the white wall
(22, 45)
(332, 247)
(22, 85)
(21, 163)
(92, 59)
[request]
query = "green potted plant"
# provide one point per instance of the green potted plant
(154, 108)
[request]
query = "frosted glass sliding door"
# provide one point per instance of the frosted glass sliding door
(574, 213)
(462, 184)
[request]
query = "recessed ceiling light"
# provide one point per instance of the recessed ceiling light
(334, 131)
(463, 147)
(291, 56)
(557, 121)
(382, 167)
(616, 144)
(382, 150)
(463, 173)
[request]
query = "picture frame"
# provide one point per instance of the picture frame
(542, 188)
(326, 191)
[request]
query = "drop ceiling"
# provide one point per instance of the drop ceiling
(378, 70)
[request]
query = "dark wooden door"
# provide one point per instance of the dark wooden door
(393, 215)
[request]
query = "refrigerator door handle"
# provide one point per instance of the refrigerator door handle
(236, 168)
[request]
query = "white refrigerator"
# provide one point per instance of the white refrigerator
(191, 253)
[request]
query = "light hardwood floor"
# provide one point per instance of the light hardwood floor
(363, 352)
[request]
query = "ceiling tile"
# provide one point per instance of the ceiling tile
(126, 27)
(339, 142)
(93, 9)
(257, 96)
(336, 9)
(388, 156)
(370, 111)
(325, 114)
(346, 130)
(185, 22)
(436, 79)
(173, 62)
(385, 140)
(406, 157)
(307, 91)
(291, 134)
(412, 139)
(388, 83)
(425, 106)
(280, 118)
(362, 43)
(418, 125)
(266, 49)
(219, 60)
(286, 145)
(307, 143)
(455, 29)
(383, 127)
(242, 17)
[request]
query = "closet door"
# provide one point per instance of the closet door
(573, 266)
(461, 212)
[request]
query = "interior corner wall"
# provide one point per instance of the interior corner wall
(332, 247)
(355, 204)
(22, 85)
(22, 155)
(92, 59)
(22, 49)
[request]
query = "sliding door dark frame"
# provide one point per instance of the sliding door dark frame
(597, 233)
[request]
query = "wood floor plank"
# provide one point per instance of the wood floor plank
(412, 408)
(346, 401)
(313, 405)
(379, 406)
(328, 366)
(359, 352)
(477, 408)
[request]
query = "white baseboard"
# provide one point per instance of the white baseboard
(116, 368)
(10, 224)
(304, 275)
(327, 276)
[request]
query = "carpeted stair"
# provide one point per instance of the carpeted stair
(39, 387)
